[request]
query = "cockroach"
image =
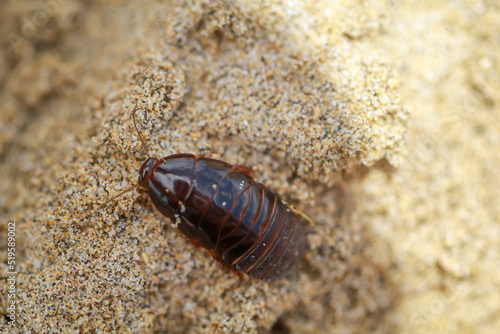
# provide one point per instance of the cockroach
(220, 207)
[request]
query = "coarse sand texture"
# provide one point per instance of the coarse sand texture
(379, 120)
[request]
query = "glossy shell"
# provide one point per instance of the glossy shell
(220, 207)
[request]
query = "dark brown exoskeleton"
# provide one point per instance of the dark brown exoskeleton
(222, 208)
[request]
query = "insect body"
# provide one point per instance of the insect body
(222, 208)
(245, 225)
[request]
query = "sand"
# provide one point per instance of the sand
(378, 120)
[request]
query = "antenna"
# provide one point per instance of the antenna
(140, 137)
(145, 150)
(116, 196)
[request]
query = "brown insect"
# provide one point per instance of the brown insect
(220, 207)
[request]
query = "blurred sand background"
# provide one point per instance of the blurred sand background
(378, 119)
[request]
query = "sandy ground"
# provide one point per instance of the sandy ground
(380, 120)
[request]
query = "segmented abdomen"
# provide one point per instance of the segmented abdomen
(223, 209)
